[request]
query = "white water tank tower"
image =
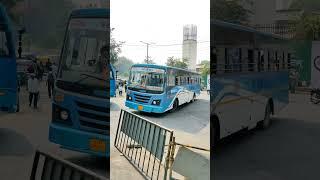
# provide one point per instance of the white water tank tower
(189, 49)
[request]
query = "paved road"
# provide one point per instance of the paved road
(21, 133)
(190, 124)
(289, 149)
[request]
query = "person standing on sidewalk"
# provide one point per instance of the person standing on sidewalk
(50, 82)
(33, 88)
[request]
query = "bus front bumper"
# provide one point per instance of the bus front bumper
(145, 107)
(81, 141)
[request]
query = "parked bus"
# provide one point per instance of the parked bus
(9, 87)
(113, 85)
(157, 89)
(249, 80)
(80, 109)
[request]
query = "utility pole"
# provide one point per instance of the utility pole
(147, 50)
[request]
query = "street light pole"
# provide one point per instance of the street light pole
(147, 50)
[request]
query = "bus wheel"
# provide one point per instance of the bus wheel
(175, 105)
(267, 118)
(193, 98)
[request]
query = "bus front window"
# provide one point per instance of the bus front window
(149, 79)
(84, 58)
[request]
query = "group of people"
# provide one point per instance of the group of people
(36, 74)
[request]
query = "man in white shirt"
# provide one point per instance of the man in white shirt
(33, 88)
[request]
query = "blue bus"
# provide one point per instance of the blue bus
(249, 78)
(113, 85)
(157, 89)
(9, 90)
(80, 109)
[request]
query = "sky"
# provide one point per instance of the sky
(159, 22)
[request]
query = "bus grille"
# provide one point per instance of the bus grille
(94, 118)
(142, 98)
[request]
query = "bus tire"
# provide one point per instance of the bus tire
(175, 105)
(265, 123)
(193, 98)
(18, 105)
(215, 130)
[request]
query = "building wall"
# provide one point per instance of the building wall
(270, 11)
(189, 47)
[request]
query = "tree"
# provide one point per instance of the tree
(176, 62)
(115, 49)
(307, 20)
(231, 11)
(149, 61)
(123, 66)
(205, 67)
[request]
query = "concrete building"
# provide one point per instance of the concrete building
(189, 47)
(272, 16)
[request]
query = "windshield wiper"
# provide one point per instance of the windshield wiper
(86, 77)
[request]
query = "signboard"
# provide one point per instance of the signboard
(315, 64)
(147, 69)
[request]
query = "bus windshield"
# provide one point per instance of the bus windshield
(4, 50)
(142, 78)
(84, 59)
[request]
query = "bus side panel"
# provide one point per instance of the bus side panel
(231, 103)
(239, 100)
(8, 83)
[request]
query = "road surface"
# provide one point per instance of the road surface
(190, 124)
(289, 149)
(24, 132)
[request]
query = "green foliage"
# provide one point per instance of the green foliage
(176, 62)
(231, 11)
(123, 65)
(307, 20)
(205, 67)
(115, 49)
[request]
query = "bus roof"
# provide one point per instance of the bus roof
(242, 28)
(162, 66)
(91, 13)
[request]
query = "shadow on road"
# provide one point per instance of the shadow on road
(14, 144)
(289, 149)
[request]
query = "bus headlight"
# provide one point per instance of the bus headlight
(64, 115)
(129, 98)
(156, 102)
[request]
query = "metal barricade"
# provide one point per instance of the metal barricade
(48, 167)
(145, 144)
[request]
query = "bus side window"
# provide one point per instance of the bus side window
(177, 81)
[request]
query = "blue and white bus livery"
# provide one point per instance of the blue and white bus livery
(157, 89)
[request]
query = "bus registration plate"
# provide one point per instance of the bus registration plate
(140, 108)
(97, 145)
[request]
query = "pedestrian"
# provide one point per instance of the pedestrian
(33, 88)
(50, 82)
(120, 89)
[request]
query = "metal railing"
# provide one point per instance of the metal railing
(146, 145)
(49, 167)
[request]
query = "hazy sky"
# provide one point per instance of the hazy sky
(160, 22)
